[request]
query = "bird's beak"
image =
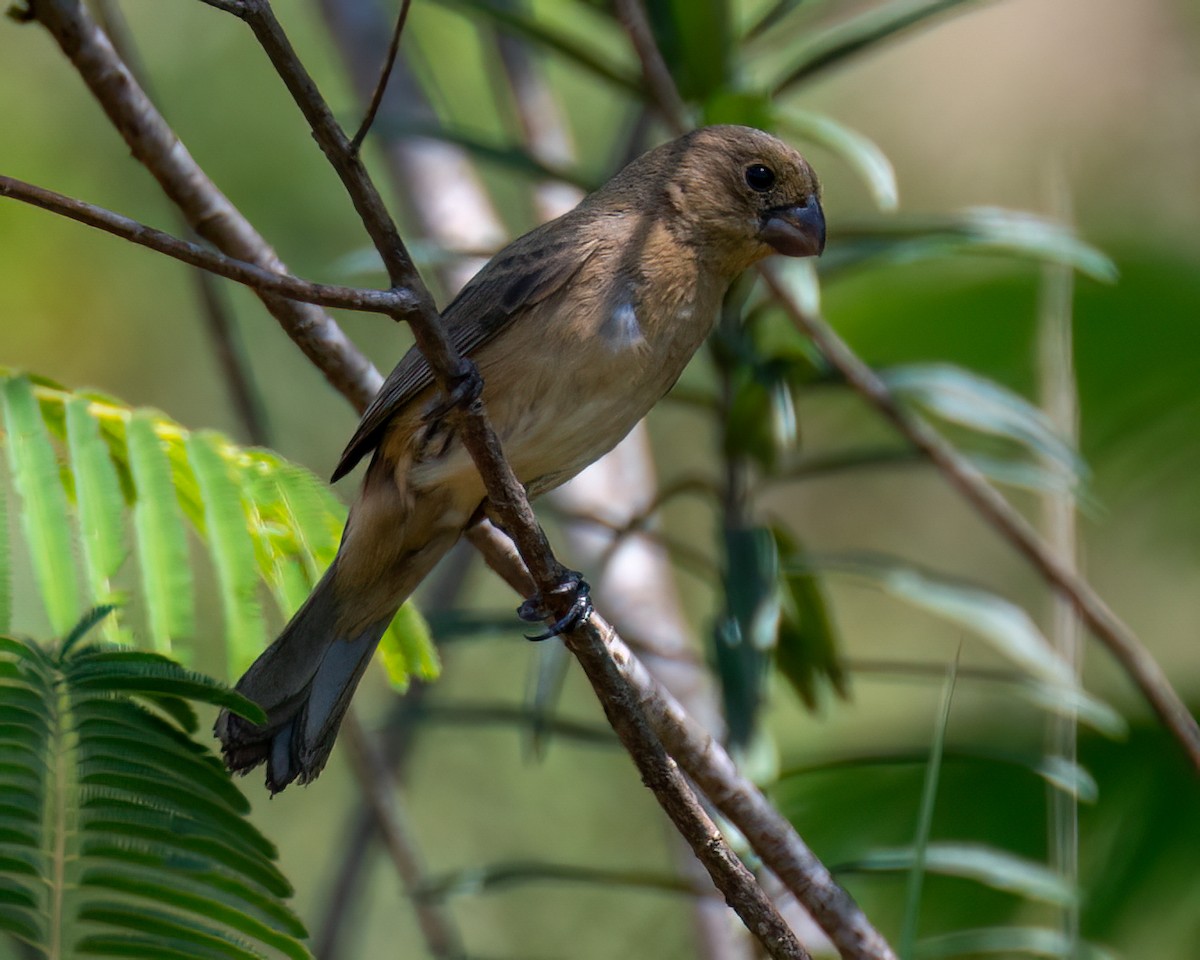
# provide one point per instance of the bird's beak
(797, 231)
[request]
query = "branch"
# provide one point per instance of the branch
(654, 68)
(205, 208)
(508, 503)
(711, 768)
(257, 278)
(991, 505)
(384, 75)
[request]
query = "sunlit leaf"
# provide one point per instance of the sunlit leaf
(981, 230)
(961, 397)
(998, 869)
(859, 152)
(1008, 941)
(820, 50)
(44, 517)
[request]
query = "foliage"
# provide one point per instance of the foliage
(82, 462)
(119, 834)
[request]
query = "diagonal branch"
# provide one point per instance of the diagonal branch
(208, 211)
(259, 279)
(711, 768)
(509, 504)
(384, 75)
(991, 505)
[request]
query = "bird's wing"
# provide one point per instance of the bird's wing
(521, 275)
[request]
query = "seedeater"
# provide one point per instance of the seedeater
(578, 328)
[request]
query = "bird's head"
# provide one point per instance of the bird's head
(739, 195)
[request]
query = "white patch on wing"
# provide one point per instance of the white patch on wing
(621, 329)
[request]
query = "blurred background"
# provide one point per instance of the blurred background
(1088, 110)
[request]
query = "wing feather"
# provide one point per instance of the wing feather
(525, 273)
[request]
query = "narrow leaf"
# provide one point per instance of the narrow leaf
(229, 545)
(1028, 941)
(407, 648)
(859, 152)
(827, 48)
(43, 504)
(162, 543)
(98, 500)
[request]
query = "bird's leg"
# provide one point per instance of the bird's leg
(466, 386)
(572, 585)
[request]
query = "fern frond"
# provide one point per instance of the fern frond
(262, 520)
(119, 836)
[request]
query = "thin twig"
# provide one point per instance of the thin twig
(250, 274)
(507, 502)
(991, 505)
(384, 75)
(222, 330)
(654, 68)
(154, 144)
(375, 778)
(711, 768)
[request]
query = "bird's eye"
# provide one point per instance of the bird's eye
(759, 177)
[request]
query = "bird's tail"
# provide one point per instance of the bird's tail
(304, 681)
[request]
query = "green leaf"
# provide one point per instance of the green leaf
(528, 26)
(98, 501)
(821, 50)
(5, 561)
(229, 544)
(162, 543)
(1003, 624)
(43, 504)
(695, 39)
(961, 397)
(859, 152)
(1030, 941)
(126, 826)
(994, 868)
(980, 230)
(407, 648)
(744, 637)
(920, 854)
(807, 648)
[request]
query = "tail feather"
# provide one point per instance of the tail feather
(304, 682)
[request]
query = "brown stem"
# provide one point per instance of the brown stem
(711, 768)
(205, 208)
(1121, 642)
(257, 278)
(654, 68)
(384, 75)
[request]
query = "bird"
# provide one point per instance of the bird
(576, 330)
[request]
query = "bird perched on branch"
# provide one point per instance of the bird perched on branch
(577, 328)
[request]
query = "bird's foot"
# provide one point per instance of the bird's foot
(571, 585)
(466, 386)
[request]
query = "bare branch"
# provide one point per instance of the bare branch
(991, 505)
(253, 276)
(711, 768)
(375, 777)
(384, 76)
(658, 76)
(206, 209)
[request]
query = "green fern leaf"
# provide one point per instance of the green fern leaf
(119, 836)
(162, 542)
(44, 504)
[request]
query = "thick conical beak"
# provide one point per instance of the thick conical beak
(795, 231)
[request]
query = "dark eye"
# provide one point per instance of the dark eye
(759, 177)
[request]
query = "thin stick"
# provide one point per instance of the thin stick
(654, 68)
(384, 75)
(711, 768)
(154, 144)
(257, 278)
(375, 777)
(991, 505)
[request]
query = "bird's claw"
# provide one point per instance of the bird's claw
(466, 386)
(572, 585)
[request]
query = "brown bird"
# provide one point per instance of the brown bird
(578, 328)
